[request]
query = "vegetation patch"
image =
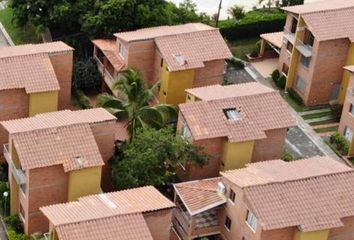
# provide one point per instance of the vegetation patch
(339, 143)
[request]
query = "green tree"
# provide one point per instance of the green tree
(153, 157)
(292, 2)
(237, 12)
(134, 106)
(86, 75)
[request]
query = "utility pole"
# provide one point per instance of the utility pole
(218, 16)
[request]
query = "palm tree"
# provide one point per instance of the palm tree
(134, 106)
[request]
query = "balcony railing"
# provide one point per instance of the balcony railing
(289, 36)
(47, 236)
(304, 49)
(6, 153)
(19, 175)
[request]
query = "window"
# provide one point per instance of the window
(122, 51)
(186, 132)
(300, 84)
(289, 46)
(232, 195)
(348, 134)
(232, 114)
(309, 39)
(161, 63)
(228, 223)
(294, 25)
(285, 69)
(351, 108)
(305, 61)
(251, 220)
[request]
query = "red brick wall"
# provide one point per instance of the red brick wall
(159, 223)
(343, 233)
(270, 148)
(63, 67)
(46, 186)
(212, 73)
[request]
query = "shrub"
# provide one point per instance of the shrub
(234, 62)
(336, 109)
(86, 75)
(340, 143)
(281, 82)
(14, 223)
(4, 188)
(275, 75)
(295, 96)
(254, 53)
(13, 235)
(81, 100)
(287, 157)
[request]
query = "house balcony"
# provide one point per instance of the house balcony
(304, 49)
(6, 152)
(19, 174)
(107, 76)
(181, 223)
(289, 36)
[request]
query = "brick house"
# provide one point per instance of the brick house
(55, 158)
(172, 55)
(139, 213)
(34, 78)
(316, 44)
(235, 124)
(274, 200)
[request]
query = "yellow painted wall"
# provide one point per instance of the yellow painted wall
(43, 102)
(84, 182)
(346, 76)
(318, 235)
(237, 155)
(14, 187)
(174, 84)
(295, 55)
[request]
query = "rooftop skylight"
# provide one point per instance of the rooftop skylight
(232, 114)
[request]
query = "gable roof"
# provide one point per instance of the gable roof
(109, 48)
(320, 6)
(34, 73)
(187, 51)
(312, 194)
(214, 92)
(127, 227)
(199, 196)
(259, 113)
(275, 38)
(105, 205)
(154, 32)
(58, 119)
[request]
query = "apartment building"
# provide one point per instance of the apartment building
(179, 57)
(317, 43)
(139, 213)
(235, 124)
(274, 200)
(55, 158)
(34, 78)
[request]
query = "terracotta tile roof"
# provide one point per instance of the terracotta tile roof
(187, 51)
(58, 119)
(311, 204)
(34, 73)
(278, 171)
(349, 68)
(320, 6)
(275, 38)
(199, 196)
(28, 49)
(334, 24)
(228, 91)
(137, 200)
(258, 113)
(127, 227)
(154, 32)
(109, 48)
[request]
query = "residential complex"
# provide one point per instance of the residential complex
(139, 213)
(269, 201)
(55, 158)
(34, 78)
(316, 44)
(235, 124)
(179, 57)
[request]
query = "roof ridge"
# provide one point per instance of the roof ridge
(327, 10)
(197, 188)
(49, 128)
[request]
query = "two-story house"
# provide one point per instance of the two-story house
(55, 158)
(317, 44)
(235, 124)
(34, 78)
(274, 200)
(179, 57)
(133, 214)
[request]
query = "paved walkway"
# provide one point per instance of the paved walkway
(266, 66)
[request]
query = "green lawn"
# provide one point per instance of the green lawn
(325, 130)
(242, 47)
(19, 35)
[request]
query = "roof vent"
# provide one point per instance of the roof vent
(180, 59)
(221, 188)
(108, 202)
(79, 160)
(232, 114)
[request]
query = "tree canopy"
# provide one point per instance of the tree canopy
(153, 157)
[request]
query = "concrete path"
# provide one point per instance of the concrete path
(320, 119)
(316, 111)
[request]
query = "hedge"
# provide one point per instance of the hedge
(255, 23)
